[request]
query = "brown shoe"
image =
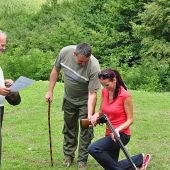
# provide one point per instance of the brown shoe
(81, 167)
(67, 162)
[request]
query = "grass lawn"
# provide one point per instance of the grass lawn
(29, 6)
(26, 138)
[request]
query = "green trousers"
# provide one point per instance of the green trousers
(72, 115)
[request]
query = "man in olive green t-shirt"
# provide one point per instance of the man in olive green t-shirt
(81, 82)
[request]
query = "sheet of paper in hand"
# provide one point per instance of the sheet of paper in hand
(21, 83)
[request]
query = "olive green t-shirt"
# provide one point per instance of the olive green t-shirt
(78, 81)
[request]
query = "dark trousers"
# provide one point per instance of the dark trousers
(106, 153)
(1, 119)
(72, 114)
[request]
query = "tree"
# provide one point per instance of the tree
(155, 34)
(155, 29)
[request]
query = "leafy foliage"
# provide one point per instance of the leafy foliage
(124, 34)
(155, 29)
(155, 33)
(35, 64)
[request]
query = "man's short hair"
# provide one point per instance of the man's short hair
(84, 49)
(3, 33)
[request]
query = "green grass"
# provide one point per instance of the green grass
(26, 138)
(29, 6)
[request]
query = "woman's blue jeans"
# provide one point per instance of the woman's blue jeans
(106, 153)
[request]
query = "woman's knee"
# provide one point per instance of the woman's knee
(93, 149)
(90, 148)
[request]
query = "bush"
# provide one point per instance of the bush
(35, 39)
(35, 64)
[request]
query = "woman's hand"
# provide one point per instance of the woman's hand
(114, 137)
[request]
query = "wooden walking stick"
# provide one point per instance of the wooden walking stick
(50, 132)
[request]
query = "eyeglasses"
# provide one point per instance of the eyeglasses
(104, 75)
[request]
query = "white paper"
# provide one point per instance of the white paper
(21, 83)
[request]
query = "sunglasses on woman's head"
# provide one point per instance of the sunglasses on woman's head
(104, 75)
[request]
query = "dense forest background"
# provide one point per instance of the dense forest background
(132, 36)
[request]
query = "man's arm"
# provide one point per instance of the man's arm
(53, 79)
(100, 113)
(92, 99)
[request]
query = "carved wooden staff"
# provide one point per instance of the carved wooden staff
(50, 132)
